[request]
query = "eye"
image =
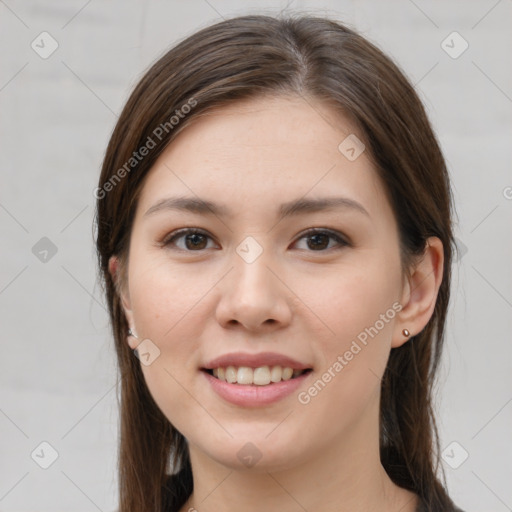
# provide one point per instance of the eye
(194, 239)
(318, 239)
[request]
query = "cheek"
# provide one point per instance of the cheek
(170, 308)
(354, 302)
(357, 307)
(164, 312)
(165, 298)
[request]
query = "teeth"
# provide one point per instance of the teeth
(276, 373)
(260, 376)
(244, 375)
(231, 374)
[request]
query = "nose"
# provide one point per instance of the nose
(253, 297)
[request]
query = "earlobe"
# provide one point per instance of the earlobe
(420, 292)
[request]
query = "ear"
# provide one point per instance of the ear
(420, 292)
(120, 280)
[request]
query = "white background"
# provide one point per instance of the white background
(57, 370)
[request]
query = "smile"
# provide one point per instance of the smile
(251, 394)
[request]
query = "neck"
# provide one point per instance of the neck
(346, 475)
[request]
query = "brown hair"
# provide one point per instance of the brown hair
(242, 58)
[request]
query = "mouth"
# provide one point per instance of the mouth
(259, 376)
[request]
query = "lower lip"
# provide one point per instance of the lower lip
(251, 395)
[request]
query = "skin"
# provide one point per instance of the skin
(295, 299)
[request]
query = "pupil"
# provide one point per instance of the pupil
(324, 241)
(195, 239)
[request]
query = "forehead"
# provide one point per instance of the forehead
(263, 151)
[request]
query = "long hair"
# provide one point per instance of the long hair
(248, 57)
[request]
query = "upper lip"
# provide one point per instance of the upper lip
(255, 361)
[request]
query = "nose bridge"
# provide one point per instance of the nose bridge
(250, 249)
(251, 276)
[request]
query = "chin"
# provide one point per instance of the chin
(256, 453)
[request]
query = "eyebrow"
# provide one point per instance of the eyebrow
(296, 207)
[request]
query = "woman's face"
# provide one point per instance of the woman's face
(255, 281)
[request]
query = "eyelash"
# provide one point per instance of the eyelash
(342, 242)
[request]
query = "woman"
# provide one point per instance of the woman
(274, 230)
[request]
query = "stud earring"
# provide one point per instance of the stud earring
(131, 333)
(406, 333)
